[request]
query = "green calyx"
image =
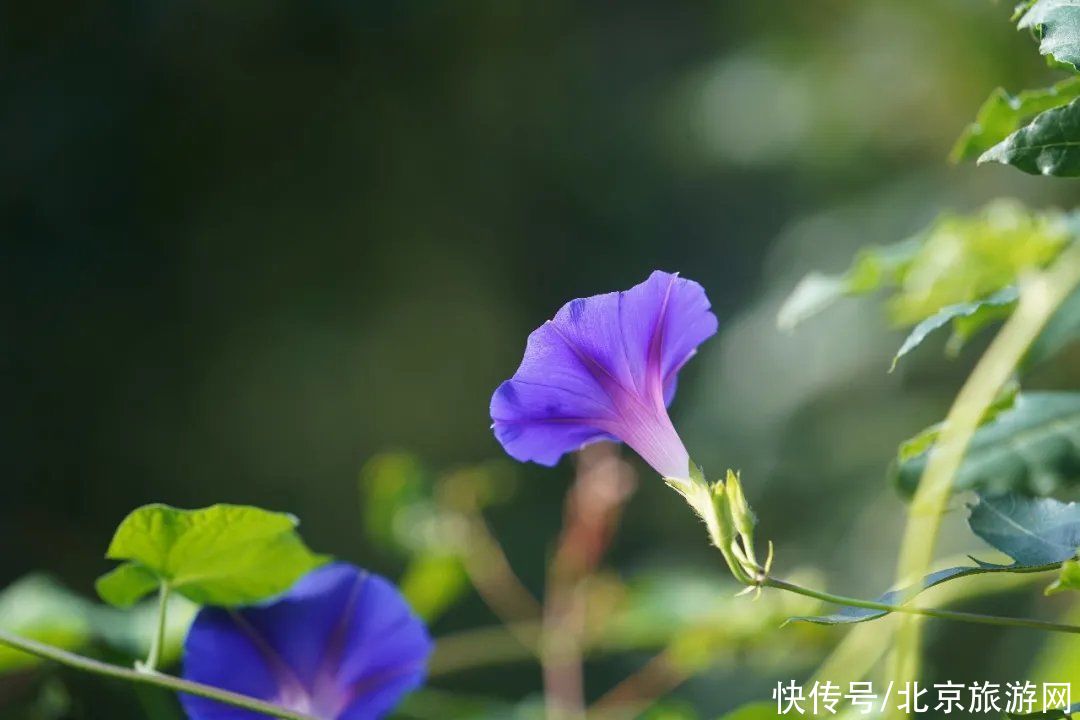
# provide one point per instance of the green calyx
(729, 520)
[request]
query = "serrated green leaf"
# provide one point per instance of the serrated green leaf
(967, 319)
(224, 555)
(1003, 114)
(1048, 145)
(39, 608)
(958, 259)
(126, 584)
(1057, 23)
(1037, 533)
(1033, 447)
(963, 258)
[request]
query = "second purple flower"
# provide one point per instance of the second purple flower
(605, 368)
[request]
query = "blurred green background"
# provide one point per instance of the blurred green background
(249, 245)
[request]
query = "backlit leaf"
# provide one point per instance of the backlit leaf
(958, 259)
(224, 555)
(1068, 578)
(1057, 22)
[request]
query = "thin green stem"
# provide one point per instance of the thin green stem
(153, 658)
(85, 664)
(924, 611)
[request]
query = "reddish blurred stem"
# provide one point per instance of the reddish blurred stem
(491, 574)
(593, 507)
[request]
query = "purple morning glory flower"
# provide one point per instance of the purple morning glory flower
(605, 369)
(342, 644)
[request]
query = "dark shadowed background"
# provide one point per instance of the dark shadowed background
(248, 245)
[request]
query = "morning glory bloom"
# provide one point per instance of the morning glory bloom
(605, 369)
(342, 644)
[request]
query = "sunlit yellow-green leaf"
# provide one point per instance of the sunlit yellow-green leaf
(944, 272)
(224, 555)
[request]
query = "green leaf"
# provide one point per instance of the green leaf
(1037, 533)
(873, 268)
(963, 258)
(1002, 114)
(1048, 145)
(1057, 23)
(1068, 578)
(225, 555)
(958, 259)
(434, 582)
(39, 608)
(126, 584)
(967, 319)
(1032, 531)
(925, 439)
(1033, 447)
(393, 486)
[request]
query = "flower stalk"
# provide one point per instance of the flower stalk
(731, 522)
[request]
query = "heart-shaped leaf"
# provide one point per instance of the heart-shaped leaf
(223, 555)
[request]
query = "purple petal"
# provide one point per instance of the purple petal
(605, 367)
(219, 655)
(341, 642)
